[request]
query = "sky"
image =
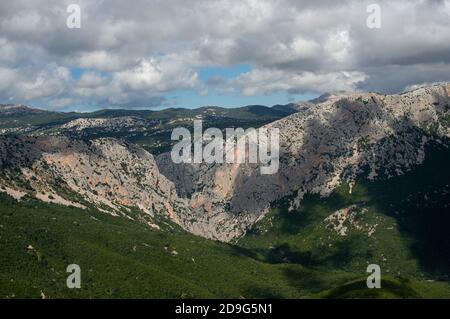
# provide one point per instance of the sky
(154, 54)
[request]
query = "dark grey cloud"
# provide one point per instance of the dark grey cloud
(397, 78)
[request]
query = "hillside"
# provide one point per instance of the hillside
(400, 224)
(121, 258)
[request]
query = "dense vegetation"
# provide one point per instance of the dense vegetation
(123, 258)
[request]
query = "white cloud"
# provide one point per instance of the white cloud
(145, 49)
(161, 76)
(267, 81)
(25, 85)
(50, 82)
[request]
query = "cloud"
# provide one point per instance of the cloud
(161, 76)
(98, 60)
(24, 85)
(8, 52)
(268, 81)
(146, 50)
(7, 78)
(91, 79)
(141, 85)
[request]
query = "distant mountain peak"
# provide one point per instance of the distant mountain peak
(17, 109)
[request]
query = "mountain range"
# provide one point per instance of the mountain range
(363, 178)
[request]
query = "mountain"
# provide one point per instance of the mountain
(105, 172)
(13, 109)
(321, 147)
(331, 143)
(362, 180)
(149, 129)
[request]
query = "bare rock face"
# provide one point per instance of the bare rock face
(333, 140)
(110, 174)
(339, 139)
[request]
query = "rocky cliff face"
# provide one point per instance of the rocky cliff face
(334, 140)
(108, 173)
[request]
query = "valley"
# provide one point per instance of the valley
(363, 179)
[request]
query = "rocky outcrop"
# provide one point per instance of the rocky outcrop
(108, 173)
